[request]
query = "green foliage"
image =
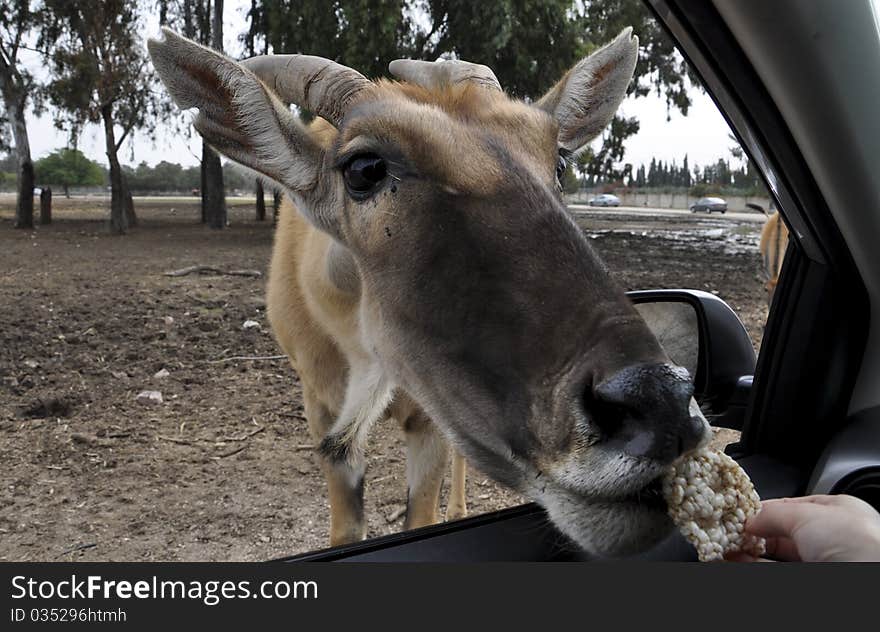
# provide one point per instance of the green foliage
(717, 178)
(8, 180)
(17, 18)
(363, 34)
(604, 163)
(660, 67)
(529, 44)
(237, 178)
(8, 162)
(570, 182)
(702, 190)
(168, 177)
(99, 66)
(67, 168)
(513, 37)
(165, 177)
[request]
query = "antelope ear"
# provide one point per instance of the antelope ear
(237, 114)
(585, 99)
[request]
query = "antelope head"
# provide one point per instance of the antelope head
(479, 294)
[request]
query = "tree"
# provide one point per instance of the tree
(641, 180)
(202, 21)
(213, 191)
(514, 37)
(257, 23)
(16, 20)
(67, 168)
(363, 34)
(100, 74)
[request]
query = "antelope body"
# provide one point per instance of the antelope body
(428, 267)
(313, 302)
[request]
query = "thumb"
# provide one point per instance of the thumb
(781, 517)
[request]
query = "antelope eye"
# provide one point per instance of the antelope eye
(561, 164)
(363, 174)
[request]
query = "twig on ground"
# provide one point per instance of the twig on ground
(78, 547)
(174, 440)
(244, 437)
(304, 446)
(202, 269)
(232, 358)
(231, 452)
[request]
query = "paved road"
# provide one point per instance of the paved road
(643, 212)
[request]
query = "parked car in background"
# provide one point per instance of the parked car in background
(709, 204)
(604, 199)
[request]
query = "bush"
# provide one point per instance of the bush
(7, 181)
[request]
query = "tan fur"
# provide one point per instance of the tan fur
(317, 326)
(431, 259)
(316, 323)
(774, 241)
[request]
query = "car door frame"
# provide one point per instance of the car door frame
(811, 350)
(815, 334)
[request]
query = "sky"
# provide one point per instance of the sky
(702, 135)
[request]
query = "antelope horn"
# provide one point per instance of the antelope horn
(317, 84)
(441, 73)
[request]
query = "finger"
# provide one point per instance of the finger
(744, 557)
(782, 548)
(739, 557)
(780, 517)
(816, 499)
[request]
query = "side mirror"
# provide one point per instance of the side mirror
(700, 332)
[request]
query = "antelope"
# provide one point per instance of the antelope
(425, 260)
(774, 241)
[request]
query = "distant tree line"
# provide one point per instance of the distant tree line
(717, 177)
(67, 168)
(170, 177)
(97, 72)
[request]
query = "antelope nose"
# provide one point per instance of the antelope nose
(644, 411)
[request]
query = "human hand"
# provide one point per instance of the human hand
(821, 528)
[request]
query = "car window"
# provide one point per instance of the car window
(148, 411)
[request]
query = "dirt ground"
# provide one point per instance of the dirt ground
(222, 469)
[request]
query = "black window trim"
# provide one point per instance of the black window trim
(814, 338)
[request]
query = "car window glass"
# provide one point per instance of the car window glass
(147, 411)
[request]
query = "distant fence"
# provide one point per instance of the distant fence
(679, 200)
(105, 192)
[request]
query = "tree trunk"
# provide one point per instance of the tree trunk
(261, 201)
(121, 207)
(128, 203)
(276, 204)
(213, 199)
(66, 190)
(217, 26)
(213, 193)
(202, 186)
(24, 206)
(46, 206)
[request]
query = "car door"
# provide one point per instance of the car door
(804, 428)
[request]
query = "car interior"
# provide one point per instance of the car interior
(798, 84)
